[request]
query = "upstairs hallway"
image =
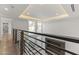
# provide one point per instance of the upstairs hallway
(7, 46)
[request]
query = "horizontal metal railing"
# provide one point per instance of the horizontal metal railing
(26, 43)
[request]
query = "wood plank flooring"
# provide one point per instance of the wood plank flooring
(7, 47)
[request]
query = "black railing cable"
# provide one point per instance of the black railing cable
(29, 49)
(39, 46)
(66, 38)
(33, 47)
(26, 50)
(53, 45)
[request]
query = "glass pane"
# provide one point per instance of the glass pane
(39, 27)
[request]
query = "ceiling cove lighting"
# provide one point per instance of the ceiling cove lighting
(28, 17)
(58, 15)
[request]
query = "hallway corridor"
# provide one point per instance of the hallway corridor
(7, 46)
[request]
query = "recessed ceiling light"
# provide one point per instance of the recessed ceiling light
(57, 13)
(6, 9)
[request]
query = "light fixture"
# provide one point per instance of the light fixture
(25, 14)
(57, 14)
(6, 9)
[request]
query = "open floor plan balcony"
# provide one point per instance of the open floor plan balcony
(39, 29)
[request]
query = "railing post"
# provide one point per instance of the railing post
(21, 42)
(15, 36)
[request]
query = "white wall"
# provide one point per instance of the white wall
(66, 27)
(5, 20)
(0, 26)
(20, 24)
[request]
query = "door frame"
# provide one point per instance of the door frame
(6, 20)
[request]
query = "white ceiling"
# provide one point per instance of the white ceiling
(67, 7)
(45, 11)
(38, 11)
(14, 10)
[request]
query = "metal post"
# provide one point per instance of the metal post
(15, 37)
(21, 43)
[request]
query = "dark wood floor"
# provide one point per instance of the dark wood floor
(7, 47)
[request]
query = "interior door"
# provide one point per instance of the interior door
(5, 28)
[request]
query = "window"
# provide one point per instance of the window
(39, 27)
(31, 26)
(35, 26)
